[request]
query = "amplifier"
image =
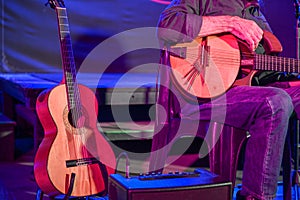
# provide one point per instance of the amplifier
(200, 184)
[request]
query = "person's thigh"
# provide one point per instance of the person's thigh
(240, 105)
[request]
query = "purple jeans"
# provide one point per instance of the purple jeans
(265, 113)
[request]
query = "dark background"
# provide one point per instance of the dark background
(29, 35)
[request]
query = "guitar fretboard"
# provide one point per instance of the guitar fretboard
(67, 57)
(275, 63)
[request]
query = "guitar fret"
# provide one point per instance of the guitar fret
(274, 63)
(294, 63)
(268, 62)
(271, 63)
(261, 60)
(265, 61)
(267, 67)
(281, 64)
(64, 28)
(286, 64)
(289, 62)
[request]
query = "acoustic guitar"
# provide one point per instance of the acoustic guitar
(74, 158)
(207, 67)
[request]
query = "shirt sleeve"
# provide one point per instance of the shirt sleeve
(256, 15)
(180, 22)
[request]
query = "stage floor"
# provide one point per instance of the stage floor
(17, 180)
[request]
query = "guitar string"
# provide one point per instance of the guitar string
(269, 60)
(72, 91)
(273, 61)
(193, 73)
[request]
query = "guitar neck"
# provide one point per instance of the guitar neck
(298, 38)
(275, 63)
(68, 62)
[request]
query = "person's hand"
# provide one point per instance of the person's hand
(244, 29)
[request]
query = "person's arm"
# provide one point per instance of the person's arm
(183, 22)
(246, 30)
(179, 22)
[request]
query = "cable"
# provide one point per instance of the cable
(127, 163)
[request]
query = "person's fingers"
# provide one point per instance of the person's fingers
(248, 31)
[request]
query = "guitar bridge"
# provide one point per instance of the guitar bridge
(82, 161)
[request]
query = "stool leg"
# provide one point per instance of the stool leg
(224, 156)
(296, 173)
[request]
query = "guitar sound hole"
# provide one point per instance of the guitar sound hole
(76, 118)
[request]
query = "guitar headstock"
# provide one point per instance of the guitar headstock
(56, 3)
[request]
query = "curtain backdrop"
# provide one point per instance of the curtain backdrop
(29, 34)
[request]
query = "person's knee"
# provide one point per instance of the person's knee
(280, 102)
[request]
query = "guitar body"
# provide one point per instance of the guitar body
(68, 149)
(215, 63)
(74, 158)
(209, 73)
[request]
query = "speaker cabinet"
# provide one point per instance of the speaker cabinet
(200, 184)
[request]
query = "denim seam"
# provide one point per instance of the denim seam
(267, 153)
(265, 164)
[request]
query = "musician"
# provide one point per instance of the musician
(264, 108)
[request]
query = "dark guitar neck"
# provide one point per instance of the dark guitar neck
(69, 67)
(274, 63)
